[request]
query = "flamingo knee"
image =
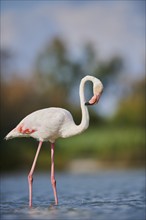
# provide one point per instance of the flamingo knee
(30, 178)
(53, 181)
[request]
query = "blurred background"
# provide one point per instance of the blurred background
(46, 49)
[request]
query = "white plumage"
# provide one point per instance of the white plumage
(51, 123)
(47, 125)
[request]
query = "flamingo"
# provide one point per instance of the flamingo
(51, 123)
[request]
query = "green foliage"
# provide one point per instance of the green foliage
(55, 79)
(107, 144)
(54, 82)
(131, 110)
(56, 71)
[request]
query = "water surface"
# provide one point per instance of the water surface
(102, 196)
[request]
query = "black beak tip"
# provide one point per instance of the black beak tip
(87, 103)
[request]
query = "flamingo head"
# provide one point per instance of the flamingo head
(97, 91)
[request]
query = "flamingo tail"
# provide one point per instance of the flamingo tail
(12, 134)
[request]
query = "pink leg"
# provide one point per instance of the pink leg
(53, 181)
(30, 175)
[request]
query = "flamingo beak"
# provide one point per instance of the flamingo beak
(93, 100)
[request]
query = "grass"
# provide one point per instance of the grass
(102, 144)
(106, 144)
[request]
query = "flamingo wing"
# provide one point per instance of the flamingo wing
(24, 130)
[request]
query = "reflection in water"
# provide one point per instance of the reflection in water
(105, 195)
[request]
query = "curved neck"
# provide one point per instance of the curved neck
(77, 129)
(85, 114)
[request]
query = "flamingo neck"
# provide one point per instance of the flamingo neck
(77, 129)
(85, 114)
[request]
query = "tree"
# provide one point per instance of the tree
(131, 109)
(58, 75)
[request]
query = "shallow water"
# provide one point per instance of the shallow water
(103, 196)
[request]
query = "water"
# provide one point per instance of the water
(103, 196)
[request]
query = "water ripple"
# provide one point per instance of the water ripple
(84, 197)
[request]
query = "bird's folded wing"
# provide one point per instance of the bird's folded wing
(25, 130)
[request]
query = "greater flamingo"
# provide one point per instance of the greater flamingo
(51, 123)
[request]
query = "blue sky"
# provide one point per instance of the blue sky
(114, 27)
